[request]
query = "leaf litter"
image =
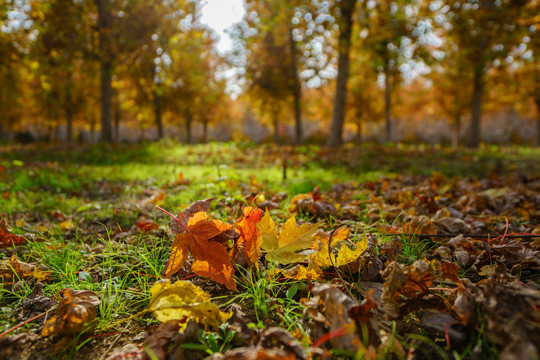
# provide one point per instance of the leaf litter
(436, 265)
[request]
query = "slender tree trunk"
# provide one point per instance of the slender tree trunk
(335, 137)
(296, 90)
(537, 101)
(116, 117)
(476, 113)
(275, 123)
(457, 130)
(69, 116)
(388, 102)
(188, 127)
(537, 140)
(55, 125)
(157, 112)
(359, 132)
(93, 131)
(105, 62)
(205, 130)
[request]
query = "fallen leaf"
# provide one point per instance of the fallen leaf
(157, 343)
(76, 314)
(250, 235)
(66, 225)
(202, 239)
(300, 272)
(344, 257)
(255, 353)
(13, 270)
(292, 238)
(7, 238)
(183, 301)
(327, 312)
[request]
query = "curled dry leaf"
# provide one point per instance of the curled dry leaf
(328, 312)
(76, 313)
(13, 270)
(160, 339)
(183, 301)
(255, 353)
(403, 284)
(283, 248)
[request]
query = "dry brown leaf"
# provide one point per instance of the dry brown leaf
(76, 314)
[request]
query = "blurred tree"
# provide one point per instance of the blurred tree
(484, 32)
(9, 78)
(364, 99)
(451, 97)
(59, 52)
(530, 25)
(12, 47)
(280, 55)
(389, 32)
(345, 10)
(193, 64)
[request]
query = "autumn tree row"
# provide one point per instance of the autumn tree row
(366, 50)
(150, 63)
(110, 60)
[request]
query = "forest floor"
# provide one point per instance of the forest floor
(373, 252)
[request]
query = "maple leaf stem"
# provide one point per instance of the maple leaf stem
(174, 217)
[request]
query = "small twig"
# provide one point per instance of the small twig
(126, 319)
(118, 336)
(334, 265)
(484, 236)
(23, 323)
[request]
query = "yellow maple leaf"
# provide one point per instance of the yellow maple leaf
(322, 237)
(283, 248)
(300, 272)
(184, 301)
(345, 255)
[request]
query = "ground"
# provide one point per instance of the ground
(434, 253)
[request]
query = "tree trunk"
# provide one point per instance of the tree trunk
(457, 130)
(296, 90)
(157, 112)
(116, 117)
(537, 140)
(537, 101)
(359, 132)
(105, 63)
(478, 90)
(93, 131)
(69, 117)
(275, 123)
(188, 127)
(205, 130)
(387, 102)
(335, 137)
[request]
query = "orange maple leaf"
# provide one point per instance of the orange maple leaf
(203, 237)
(250, 234)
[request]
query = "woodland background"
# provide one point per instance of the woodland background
(324, 71)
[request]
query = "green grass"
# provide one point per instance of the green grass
(102, 190)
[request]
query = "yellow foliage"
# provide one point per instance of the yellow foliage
(283, 248)
(184, 301)
(345, 255)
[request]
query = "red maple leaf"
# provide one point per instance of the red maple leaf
(250, 235)
(203, 237)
